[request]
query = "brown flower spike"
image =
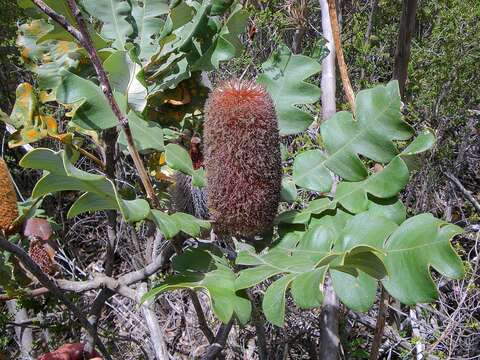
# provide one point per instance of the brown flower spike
(242, 158)
(8, 200)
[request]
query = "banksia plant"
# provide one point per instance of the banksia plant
(43, 255)
(242, 158)
(8, 200)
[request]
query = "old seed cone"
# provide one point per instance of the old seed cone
(40, 254)
(242, 158)
(8, 200)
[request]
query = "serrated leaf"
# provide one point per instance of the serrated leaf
(385, 184)
(284, 76)
(378, 123)
(228, 44)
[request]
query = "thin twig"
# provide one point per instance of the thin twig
(259, 327)
(381, 317)
(202, 322)
(347, 86)
(31, 266)
(464, 191)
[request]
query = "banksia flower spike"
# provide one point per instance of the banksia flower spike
(8, 200)
(242, 158)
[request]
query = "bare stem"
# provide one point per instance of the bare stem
(381, 317)
(202, 322)
(347, 86)
(215, 348)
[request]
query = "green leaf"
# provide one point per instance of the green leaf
(421, 143)
(308, 171)
(113, 14)
(385, 184)
(288, 192)
(61, 175)
(358, 293)
(391, 208)
(228, 44)
(179, 159)
(303, 258)
(409, 251)
(284, 76)
(147, 135)
(168, 226)
(378, 123)
(273, 303)
(220, 6)
(203, 267)
(123, 71)
(419, 243)
(149, 23)
(171, 225)
(189, 224)
(305, 291)
(90, 108)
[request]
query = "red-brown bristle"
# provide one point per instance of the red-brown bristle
(242, 158)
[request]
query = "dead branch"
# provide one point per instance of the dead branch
(381, 317)
(468, 195)
(342, 66)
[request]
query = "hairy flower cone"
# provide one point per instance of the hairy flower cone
(242, 158)
(8, 199)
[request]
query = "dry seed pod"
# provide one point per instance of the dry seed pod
(242, 158)
(8, 200)
(43, 255)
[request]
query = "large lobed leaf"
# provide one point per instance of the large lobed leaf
(113, 14)
(356, 251)
(99, 192)
(149, 24)
(204, 267)
(284, 76)
(302, 258)
(377, 124)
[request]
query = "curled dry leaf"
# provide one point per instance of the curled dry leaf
(39, 228)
